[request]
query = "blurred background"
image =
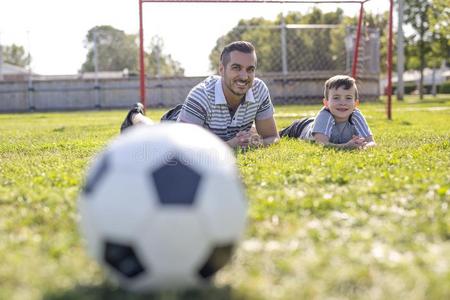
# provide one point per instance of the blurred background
(85, 55)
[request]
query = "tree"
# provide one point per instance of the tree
(439, 17)
(429, 44)
(307, 50)
(160, 64)
(416, 14)
(319, 51)
(15, 55)
(117, 51)
(266, 36)
(250, 30)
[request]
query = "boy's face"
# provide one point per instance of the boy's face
(341, 103)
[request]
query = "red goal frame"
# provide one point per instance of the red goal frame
(355, 50)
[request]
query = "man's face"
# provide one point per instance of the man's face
(238, 74)
(341, 103)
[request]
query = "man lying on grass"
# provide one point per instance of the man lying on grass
(339, 123)
(228, 104)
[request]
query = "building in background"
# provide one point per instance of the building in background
(411, 78)
(10, 72)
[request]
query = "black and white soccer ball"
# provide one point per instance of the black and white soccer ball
(163, 207)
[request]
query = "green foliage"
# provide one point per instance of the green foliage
(307, 50)
(435, 51)
(117, 51)
(160, 64)
(444, 88)
(428, 45)
(323, 223)
(15, 55)
(416, 14)
(439, 16)
(315, 51)
(409, 88)
(423, 48)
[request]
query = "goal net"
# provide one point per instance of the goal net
(298, 45)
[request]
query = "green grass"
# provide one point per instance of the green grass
(323, 223)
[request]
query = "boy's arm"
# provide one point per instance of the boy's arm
(361, 125)
(370, 142)
(355, 143)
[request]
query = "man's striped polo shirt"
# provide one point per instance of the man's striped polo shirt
(206, 106)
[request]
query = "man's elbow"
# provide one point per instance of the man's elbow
(271, 140)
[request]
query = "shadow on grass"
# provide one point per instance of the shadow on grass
(425, 101)
(108, 292)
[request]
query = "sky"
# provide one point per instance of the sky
(54, 31)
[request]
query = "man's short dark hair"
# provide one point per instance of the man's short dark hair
(338, 81)
(241, 46)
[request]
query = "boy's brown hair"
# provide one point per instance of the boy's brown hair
(338, 81)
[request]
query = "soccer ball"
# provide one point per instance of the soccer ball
(163, 207)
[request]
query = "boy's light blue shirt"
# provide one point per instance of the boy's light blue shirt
(325, 123)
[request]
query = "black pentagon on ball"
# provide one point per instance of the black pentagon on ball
(94, 178)
(123, 259)
(218, 258)
(176, 183)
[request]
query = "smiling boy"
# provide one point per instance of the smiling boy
(339, 123)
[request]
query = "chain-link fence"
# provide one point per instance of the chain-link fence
(288, 49)
(296, 59)
(293, 59)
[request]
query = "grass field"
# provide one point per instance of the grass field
(323, 224)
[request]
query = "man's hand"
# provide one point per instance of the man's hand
(246, 139)
(255, 140)
(249, 138)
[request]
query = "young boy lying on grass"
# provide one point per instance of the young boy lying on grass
(339, 123)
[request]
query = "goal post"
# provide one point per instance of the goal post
(356, 44)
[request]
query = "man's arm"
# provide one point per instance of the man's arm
(264, 134)
(192, 113)
(267, 129)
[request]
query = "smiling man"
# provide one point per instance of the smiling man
(228, 104)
